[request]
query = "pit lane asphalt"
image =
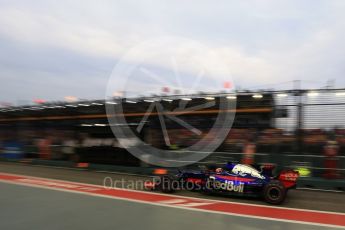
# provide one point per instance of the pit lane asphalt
(314, 200)
(25, 207)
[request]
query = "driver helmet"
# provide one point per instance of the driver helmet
(219, 170)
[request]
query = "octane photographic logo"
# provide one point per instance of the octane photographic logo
(166, 75)
(155, 183)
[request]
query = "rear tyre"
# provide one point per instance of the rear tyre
(274, 192)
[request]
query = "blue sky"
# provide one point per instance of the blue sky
(50, 49)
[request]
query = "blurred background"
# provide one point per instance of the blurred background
(285, 60)
(300, 129)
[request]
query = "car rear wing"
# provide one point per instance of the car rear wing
(288, 178)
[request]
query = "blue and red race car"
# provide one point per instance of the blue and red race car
(232, 179)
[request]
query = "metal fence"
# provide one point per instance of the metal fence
(304, 123)
(314, 117)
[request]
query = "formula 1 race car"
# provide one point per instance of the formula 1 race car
(233, 179)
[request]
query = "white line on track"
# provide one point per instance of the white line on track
(177, 196)
(172, 206)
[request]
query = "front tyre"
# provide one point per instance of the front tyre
(167, 184)
(208, 187)
(274, 192)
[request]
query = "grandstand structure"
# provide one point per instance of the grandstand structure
(86, 121)
(290, 121)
